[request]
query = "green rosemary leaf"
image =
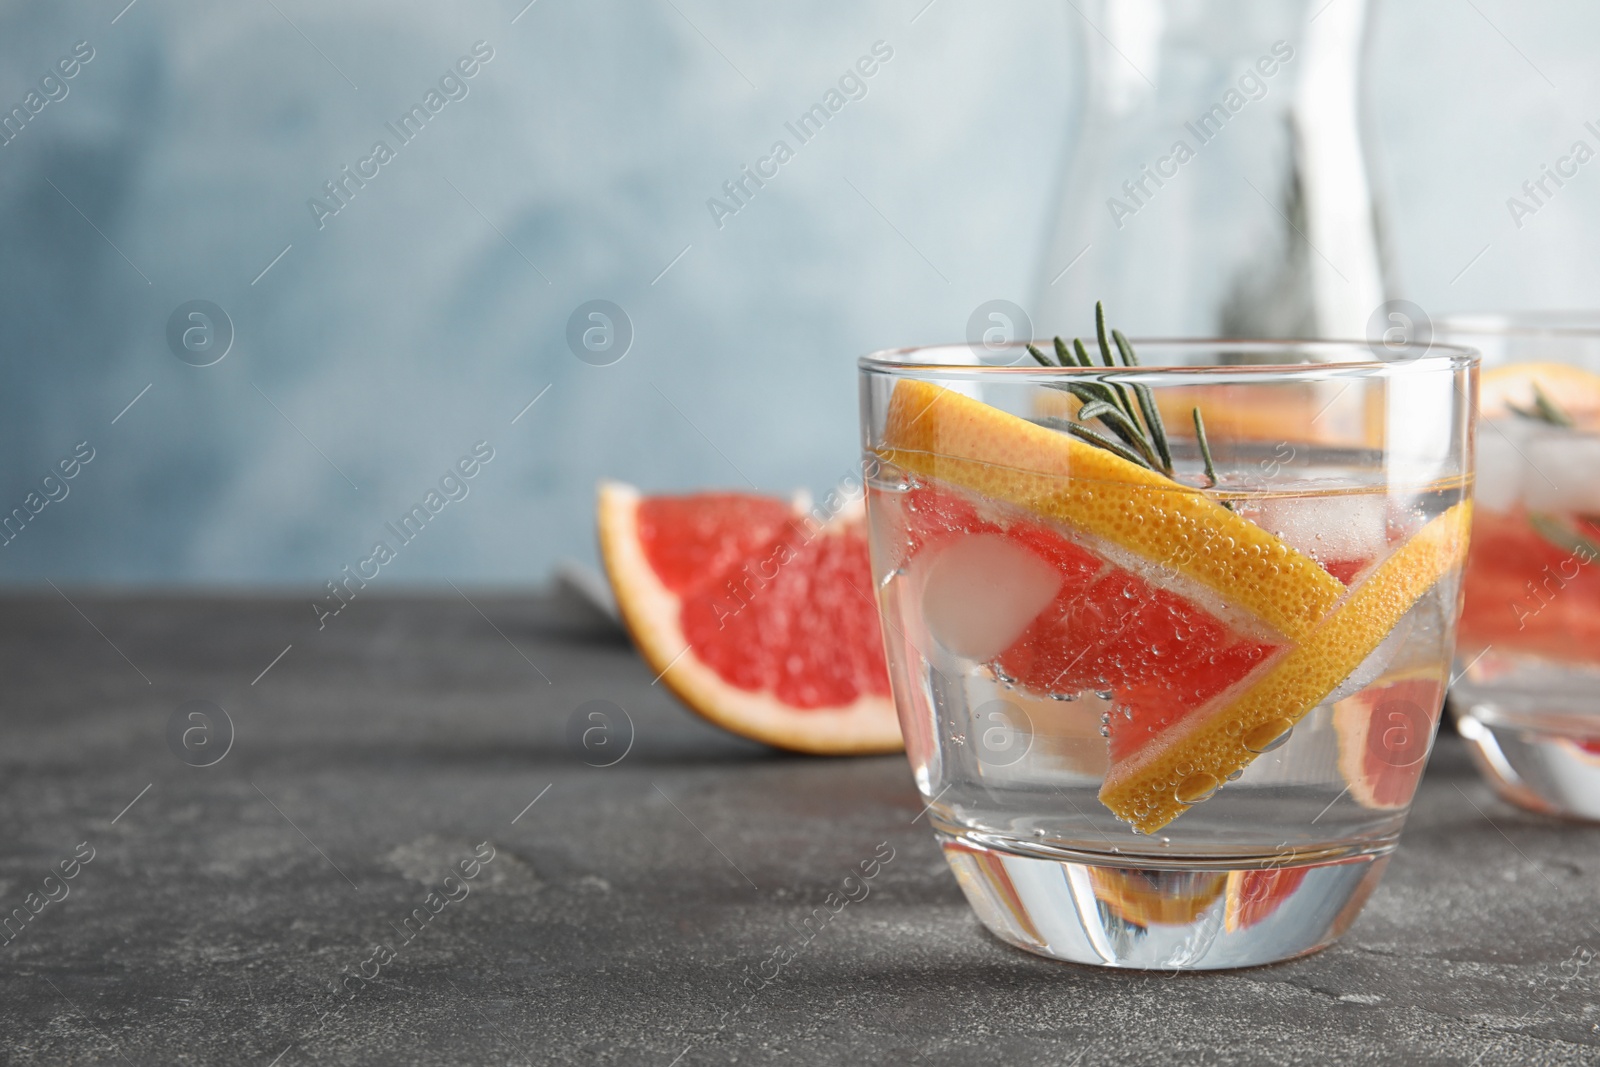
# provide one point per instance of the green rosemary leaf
(1549, 411)
(1038, 356)
(1138, 421)
(1096, 408)
(1129, 359)
(1114, 417)
(1124, 428)
(1158, 429)
(1205, 446)
(1109, 360)
(1100, 334)
(1125, 404)
(1099, 440)
(1085, 391)
(1544, 410)
(1147, 405)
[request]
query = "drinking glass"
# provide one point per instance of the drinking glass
(1169, 721)
(1528, 695)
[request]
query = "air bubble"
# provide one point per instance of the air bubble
(1272, 734)
(1235, 776)
(1196, 788)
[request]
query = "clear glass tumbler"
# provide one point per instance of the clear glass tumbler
(1166, 691)
(1528, 695)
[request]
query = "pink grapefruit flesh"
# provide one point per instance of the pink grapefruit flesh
(758, 617)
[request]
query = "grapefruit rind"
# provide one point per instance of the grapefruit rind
(651, 614)
(1143, 790)
(938, 433)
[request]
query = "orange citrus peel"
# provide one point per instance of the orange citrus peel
(1207, 747)
(939, 433)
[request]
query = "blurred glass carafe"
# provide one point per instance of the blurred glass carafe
(1217, 184)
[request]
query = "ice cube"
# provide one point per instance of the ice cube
(1501, 468)
(1565, 474)
(1331, 529)
(980, 593)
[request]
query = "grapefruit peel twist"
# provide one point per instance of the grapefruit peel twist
(1076, 480)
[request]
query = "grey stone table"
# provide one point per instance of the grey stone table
(265, 909)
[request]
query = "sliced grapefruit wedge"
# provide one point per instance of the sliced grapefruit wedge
(1165, 777)
(1059, 614)
(1384, 733)
(1214, 635)
(758, 617)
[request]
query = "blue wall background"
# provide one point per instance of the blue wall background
(424, 315)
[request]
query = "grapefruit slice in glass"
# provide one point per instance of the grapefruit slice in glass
(758, 617)
(1214, 635)
(1254, 895)
(1058, 613)
(1384, 733)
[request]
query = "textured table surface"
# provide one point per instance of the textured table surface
(254, 911)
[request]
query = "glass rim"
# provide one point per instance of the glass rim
(1428, 355)
(1560, 322)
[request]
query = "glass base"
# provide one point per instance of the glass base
(1534, 763)
(1195, 918)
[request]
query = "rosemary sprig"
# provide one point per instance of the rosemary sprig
(1106, 357)
(1544, 410)
(1100, 440)
(1137, 433)
(1106, 412)
(1205, 448)
(1205, 454)
(1147, 403)
(1096, 392)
